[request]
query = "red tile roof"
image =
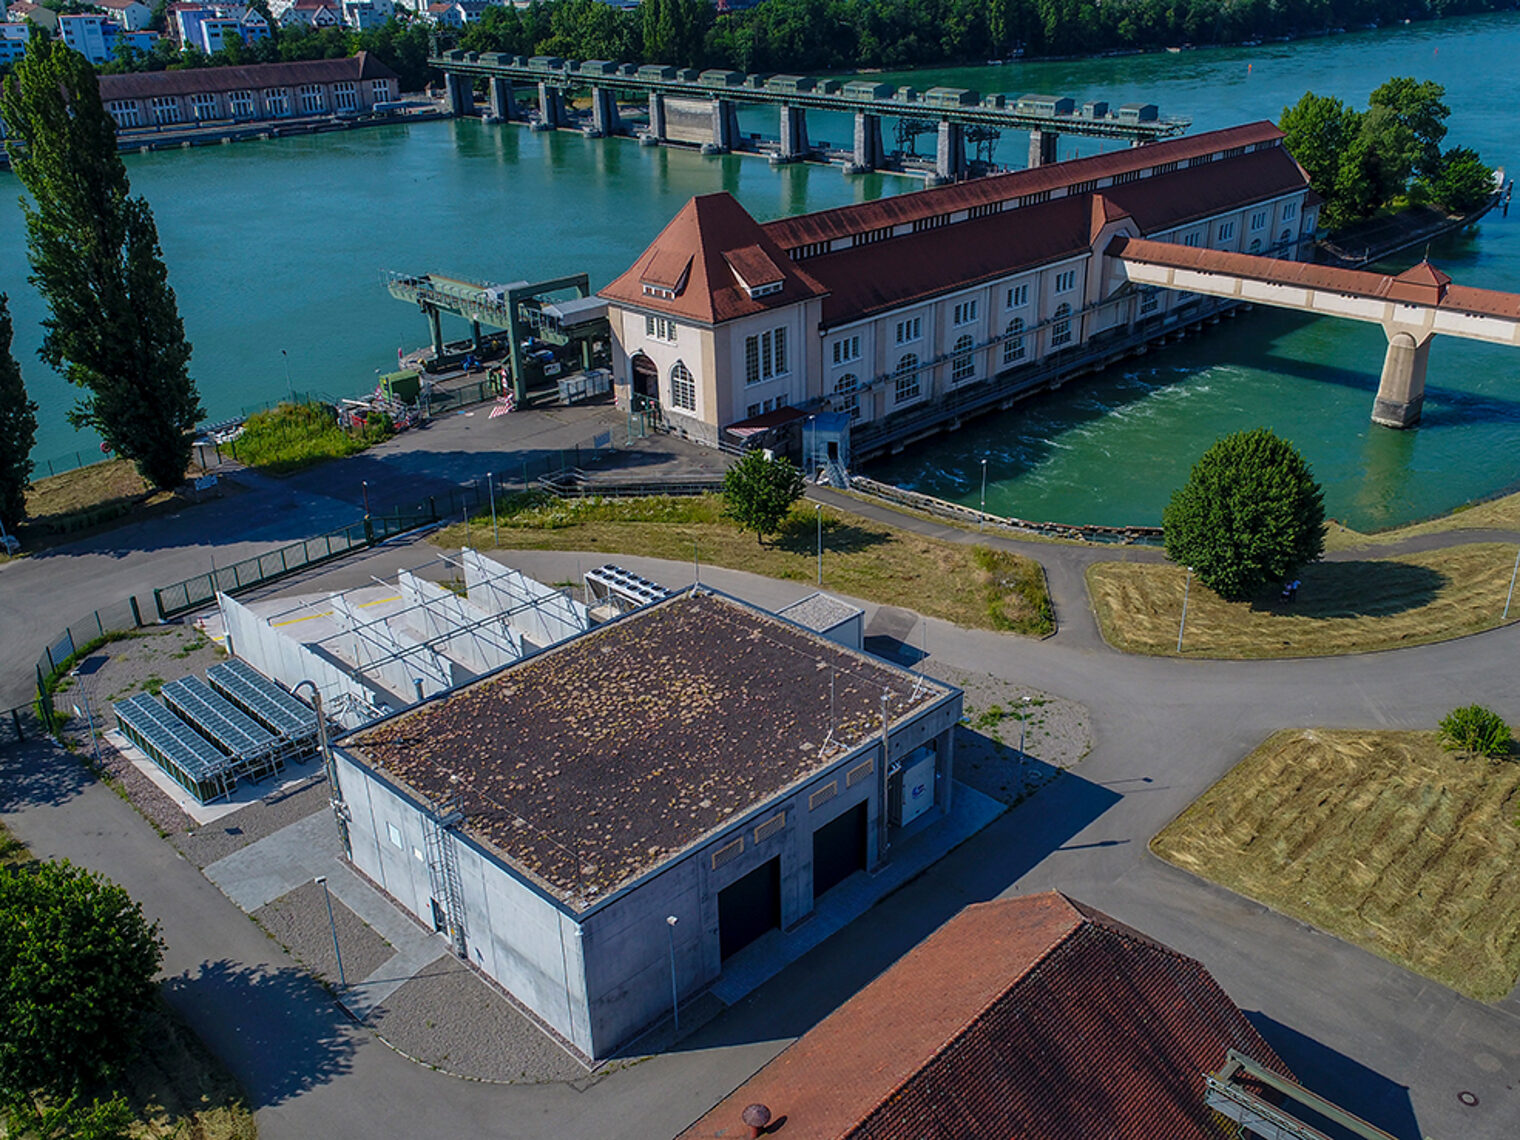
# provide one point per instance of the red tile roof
(252, 77)
(1033, 1018)
(1423, 284)
(707, 229)
(868, 279)
(825, 225)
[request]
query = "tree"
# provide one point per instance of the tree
(758, 492)
(114, 325)
(1418, 109)
(18, 429)
(1317, 130)
(1249, 515)
(1463, 183)
(1476, 730)
(77, 968)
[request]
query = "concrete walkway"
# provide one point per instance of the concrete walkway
(293, 856)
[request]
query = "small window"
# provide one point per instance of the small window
(660, 328)
(1066, 281)
(394, 833)
(846, 349)
(125, 112)
(752, 411)
(963, 366)
(847, 395)
(241, 103)
(1149, 300)
(965, 312)
(909, 330)
(1013, 342)
(1018, 296)
(1191, 239)
(1060, 328)
(380, 90)
(345, 97)
(1258, 221)
(1226, 231)
(1289, 209)
(313, 99)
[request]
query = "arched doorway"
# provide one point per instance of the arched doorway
(646, 377)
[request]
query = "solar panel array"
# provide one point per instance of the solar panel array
(173, 744)
(281, 713)
(225, 725)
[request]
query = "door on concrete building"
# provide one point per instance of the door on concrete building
(749, 907)
(646, 377)
(839, 849)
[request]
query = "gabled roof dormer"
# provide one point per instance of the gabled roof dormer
(755, 271)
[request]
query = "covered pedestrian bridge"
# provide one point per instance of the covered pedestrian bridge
(1412, 307)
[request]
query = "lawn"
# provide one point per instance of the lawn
(971, 586)
(1380, 838)
(289, 437)
(1493, 514)
(84, 498)
(1343, 607)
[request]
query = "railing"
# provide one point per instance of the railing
(944, 509)
(578, 484)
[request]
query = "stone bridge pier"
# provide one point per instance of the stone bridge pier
(868, 150)
(502, 99)
(950, 152)
(605, 120)
(1042, 148)
(551, 107)
(461, 94)
(725, 125)
(794, 135)
(1401, 390)
(657, 116)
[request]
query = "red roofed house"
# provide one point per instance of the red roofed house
(921, 304)
(1033, 1018)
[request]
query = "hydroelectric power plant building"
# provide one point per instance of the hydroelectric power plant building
(911, 313)
(635, 808)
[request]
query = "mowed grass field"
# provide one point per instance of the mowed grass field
(1380, 838)
(1493, 514)
(972, 586)
(1343, 607)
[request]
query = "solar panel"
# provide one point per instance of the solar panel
(225, 725)
(280, 712)
(169, 741)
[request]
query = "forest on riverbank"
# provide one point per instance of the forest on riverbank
(824, 35)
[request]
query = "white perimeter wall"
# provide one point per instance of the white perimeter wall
(437, 613)
(545, 616)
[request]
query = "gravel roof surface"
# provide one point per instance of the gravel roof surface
(820, 612)
(593, 762)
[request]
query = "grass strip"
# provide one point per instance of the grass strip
(1492, 514)
(971, 586)
(1380, 838)
(1343, 607)
(289, 437)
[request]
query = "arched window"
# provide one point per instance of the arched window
(1060, 326)
(1013, 342)
(1285, 237)
(963, 366)
(683, 389)
(1255, 245)
(846, 395)
(906, 377)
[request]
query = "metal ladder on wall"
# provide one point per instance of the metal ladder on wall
(443, 871)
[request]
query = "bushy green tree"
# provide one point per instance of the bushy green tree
(1317, 130)
(1475, 729)
(18, 429)
(71, 1118)
(1463, 183)
(114, 325)
(1250, 515)
(77, 967)
(758, 492)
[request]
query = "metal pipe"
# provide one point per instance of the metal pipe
(675, 995)
(333, 925)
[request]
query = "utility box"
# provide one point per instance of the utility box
(405, 386)
(915, 794)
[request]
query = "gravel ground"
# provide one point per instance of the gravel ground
(298, 921)
(205, 845)
(1057, 734)
(450, 1018)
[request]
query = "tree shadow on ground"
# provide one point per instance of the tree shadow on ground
(799, 535)
(1367, 588)
(39, 773)
(275, 1028)
(1341, 1080)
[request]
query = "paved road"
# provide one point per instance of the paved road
(1389, 1044)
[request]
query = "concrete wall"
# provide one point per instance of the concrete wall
(513, 933)
(468, 635)
(539, 613)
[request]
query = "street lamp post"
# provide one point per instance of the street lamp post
(675, 996)
(364, 484)
(491, 483)
(818, 512)
(1181, 625)
(332, 924)
(289, 387)
(982, 518)
(1511, 595)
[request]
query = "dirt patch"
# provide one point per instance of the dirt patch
(1380, 838)
(1056, 734)
(298, 922)
(450, 1018)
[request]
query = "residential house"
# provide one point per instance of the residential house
(130, 15)
(20, 11)
(13, 40)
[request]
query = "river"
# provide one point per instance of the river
(283, 244)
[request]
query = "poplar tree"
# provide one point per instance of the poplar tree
(18, 429)
(115, 327)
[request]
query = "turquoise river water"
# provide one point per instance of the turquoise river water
(284, 245)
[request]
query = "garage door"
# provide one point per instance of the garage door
(749, 907)
(839, 849)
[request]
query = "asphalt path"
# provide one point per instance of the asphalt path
(1387, 1043)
